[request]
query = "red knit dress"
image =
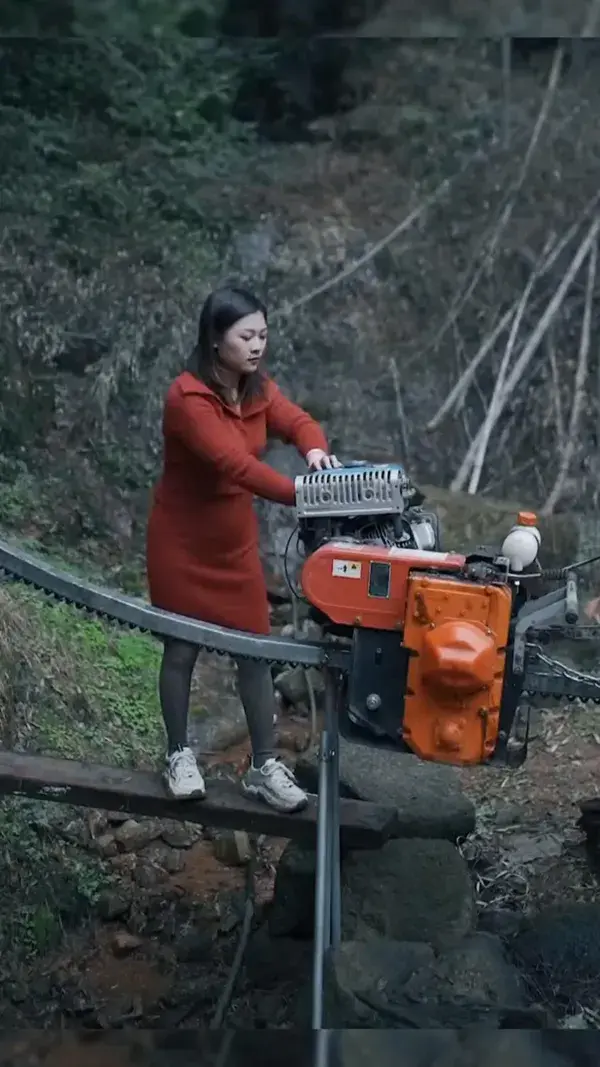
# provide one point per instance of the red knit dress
(202, 550)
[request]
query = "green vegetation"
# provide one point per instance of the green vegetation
(41, 908)
(120, 179)
(117, 714)
(75, 686)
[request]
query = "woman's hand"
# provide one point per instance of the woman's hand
(318, 460)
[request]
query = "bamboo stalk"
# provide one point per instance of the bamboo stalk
(530, 348)
(581, 374)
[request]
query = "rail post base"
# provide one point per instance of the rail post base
(327, 887)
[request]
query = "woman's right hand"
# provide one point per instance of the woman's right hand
(318, 460)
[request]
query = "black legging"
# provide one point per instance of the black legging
(255, 685)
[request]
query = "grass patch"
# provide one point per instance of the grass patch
(74, 686)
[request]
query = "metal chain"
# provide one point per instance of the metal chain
(558, 667)
(557, 683)
(582, 679)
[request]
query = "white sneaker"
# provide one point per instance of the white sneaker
(182, 777)
(276, 785)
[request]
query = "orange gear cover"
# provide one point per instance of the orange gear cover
(458, 633)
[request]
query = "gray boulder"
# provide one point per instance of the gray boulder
(385, 983)
(411, 890)
(292, 909)
(270, 963)
(427, 796)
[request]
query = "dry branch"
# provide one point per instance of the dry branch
(568, 451)
(496, 401)
(400, 412)
(556, 397)
(510, 201)
(459, 390)
(530, 348)
(506, 87)
(421, 209)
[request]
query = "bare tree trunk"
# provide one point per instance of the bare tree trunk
(568, 451)
(530, 349)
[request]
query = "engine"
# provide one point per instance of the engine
(429, 629)
(368, 505)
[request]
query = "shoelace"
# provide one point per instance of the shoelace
(184, 763)
(282, 775)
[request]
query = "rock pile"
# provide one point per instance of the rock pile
(413, 955)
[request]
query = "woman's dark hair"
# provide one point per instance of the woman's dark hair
(221, 310)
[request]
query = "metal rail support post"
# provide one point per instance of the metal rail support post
(322, 1057)
(327, 888)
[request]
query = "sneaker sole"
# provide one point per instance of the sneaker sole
(255, 794)
(196, 794)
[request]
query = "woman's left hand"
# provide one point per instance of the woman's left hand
(318, 460)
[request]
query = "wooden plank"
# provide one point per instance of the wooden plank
(91, 785)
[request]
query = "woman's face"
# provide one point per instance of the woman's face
(243, 345)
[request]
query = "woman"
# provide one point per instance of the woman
(202, 547)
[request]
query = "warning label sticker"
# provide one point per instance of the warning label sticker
(346, 568)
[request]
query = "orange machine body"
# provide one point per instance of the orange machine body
(452, 637)
(457, 633)
(337, 579)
